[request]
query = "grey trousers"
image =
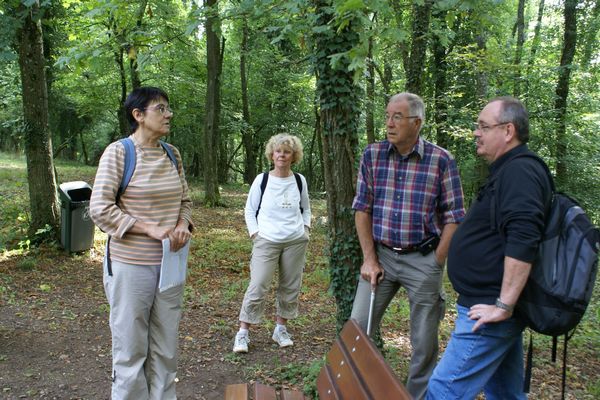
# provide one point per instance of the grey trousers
(144, 324)
(288, 259)
(421, 276)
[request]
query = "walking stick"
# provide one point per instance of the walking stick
(371, 305)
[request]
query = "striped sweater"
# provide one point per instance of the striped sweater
(157, 194)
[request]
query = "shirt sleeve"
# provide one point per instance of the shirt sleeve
(523, 191)
(363, 201)
(451, 205)
(185, 212)
(252, 203)
(104, 211)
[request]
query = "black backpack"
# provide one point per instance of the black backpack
(561, 282)
(263, 186)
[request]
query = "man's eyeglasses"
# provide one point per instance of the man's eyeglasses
(397, 117)
(161, 108)
(485, 128)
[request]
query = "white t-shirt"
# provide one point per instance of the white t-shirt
(279, 219)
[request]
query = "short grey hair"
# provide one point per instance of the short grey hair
(514, 111)
(285, 140)
(416, 107)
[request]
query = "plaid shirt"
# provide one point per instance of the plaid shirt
(410, 198)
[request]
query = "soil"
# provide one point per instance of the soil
(55, 340)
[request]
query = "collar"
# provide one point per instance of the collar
(496, 165)
(418, 149)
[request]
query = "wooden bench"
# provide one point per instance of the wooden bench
(356, 370)
(258, 391)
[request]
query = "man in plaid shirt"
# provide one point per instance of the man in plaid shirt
(408, 204)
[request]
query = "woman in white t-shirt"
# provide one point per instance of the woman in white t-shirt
(278, 219)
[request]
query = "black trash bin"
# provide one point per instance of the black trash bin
(76, 228)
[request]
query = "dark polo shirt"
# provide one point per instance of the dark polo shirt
(476, 254)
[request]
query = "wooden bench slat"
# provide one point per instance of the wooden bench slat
(326, 385)
(287, 394)
(363, 372)
(264, 392)
(238, 391)
(344, 373)
(372, 368)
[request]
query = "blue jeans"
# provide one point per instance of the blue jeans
(490, 359)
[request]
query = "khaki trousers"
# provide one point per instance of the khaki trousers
(288, 259)
(144, 324)
(421, 276)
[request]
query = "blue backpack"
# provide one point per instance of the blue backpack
(128, 169)
(131, 159)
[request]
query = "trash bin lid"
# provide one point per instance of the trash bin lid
(65, 187)
(82, 189)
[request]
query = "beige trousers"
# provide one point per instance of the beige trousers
(144, 325)
(288, 259)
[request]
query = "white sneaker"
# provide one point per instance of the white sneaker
(282, 337)
(241, 343)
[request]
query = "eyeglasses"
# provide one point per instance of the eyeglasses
(397, 117)
(485, 128)
(161, 108)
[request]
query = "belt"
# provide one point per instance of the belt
(400, 250)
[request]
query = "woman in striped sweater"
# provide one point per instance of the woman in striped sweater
(155, 205)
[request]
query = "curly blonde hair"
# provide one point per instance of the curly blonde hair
(285, 140)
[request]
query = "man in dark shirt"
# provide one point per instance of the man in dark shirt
(488, 263)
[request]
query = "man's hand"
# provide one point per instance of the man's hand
(485, 313)
(371, 271)
(180, 235)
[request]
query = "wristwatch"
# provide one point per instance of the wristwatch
(504, 306)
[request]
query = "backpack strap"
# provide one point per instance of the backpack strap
(528, 365)
(492, 182)
(170, 153)
(130, 162)
(263, 186)
(128, 169)
(299, 184)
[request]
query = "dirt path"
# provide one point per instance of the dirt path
(55, 339)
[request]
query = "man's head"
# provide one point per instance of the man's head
(502, 125)
(404, 117)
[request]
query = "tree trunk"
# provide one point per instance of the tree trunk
(370, 104)
(590, 43)
(520, 29)
(340, 108)
(41, 178)
(223, 159)
(562, 89)
(247, 134)
(398, 7)
(113, 33)
(212, 196)
(420, 31)
(132, 49)
(440, 82)
(535, 43)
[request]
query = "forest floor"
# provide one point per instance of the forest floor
(55, 340)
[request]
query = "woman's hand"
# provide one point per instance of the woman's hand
(180, 235)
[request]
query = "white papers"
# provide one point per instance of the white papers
(173, 266)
